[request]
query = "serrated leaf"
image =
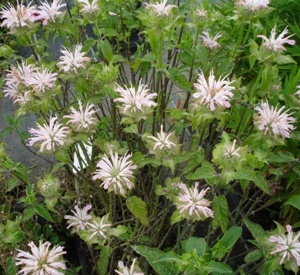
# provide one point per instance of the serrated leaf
(106, 49)
(43, 212)
(179, 79)
(138, 208)
(220, 208)
(281, 156)
(255, 176)
(204, 172)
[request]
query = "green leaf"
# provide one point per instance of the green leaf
(220, 208)
(153, 255)
(106, 49)
(11, 267)
(204, 172)
(104, 259)
(43, 212)
(28, 213)
(176, 217)
(253, 256)
(281, 156)
(197, 244)
(256, 230)
(13, 233)
(294, 201)
(255, 176)
(179, 79)
(227, 242)
(138, 208)
(219, 268)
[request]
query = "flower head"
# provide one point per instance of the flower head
(72, 61)
(135, 101)
(124, 270)
(88, 7)
(276, 44)
(287, 246)
(253, 5)
(163, 141)
(231, 151)
(274, 122)
(192, 204)
(99, 227)
(50, 136)
(41, 81)
(161, 9)
(83, 119)
(201, 13)
(50, 12)
(213, 92)
(116, 173)
(42, 260)
(79, 219)
(18, 17)
(210, 42)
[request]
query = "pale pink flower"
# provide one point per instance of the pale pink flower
(79, 219)
(116, 173)
(161, 8)
(163, 140)
(41, 81)
(287, 246)
(20, 74)
(135, 100)
(18, 17)
(49, 136)
(83, 119)
(50, 12)
(99, 227)
(253, 5)
(210, 42)
(11, 91)
(124, 270)
(276, 44)
(72, 61)
(192, 204)
(231, 151)
(213, 92)
(42, 260)
(89, 7)
(274, 122)
(201, 12)
(23, 98)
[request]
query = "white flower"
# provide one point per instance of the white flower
(20, 74)
(274, 122)
(83, 119)
(88, 7)
(11, 91)
(213, 92)
(161, 9)
(80, 218)
(99, 228)
(231, 151)
(23, 98)
(50, 12)
(192, 204)
(163, 141)
(276, 44)
(210, 42)
(135, 100)
(201, 12)
(72, 61)
(253, 5)
(18, 17)
(116, 173)
(124, 270)
(50, 136)
(287, 246)
(41, 81)
(42, 260)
